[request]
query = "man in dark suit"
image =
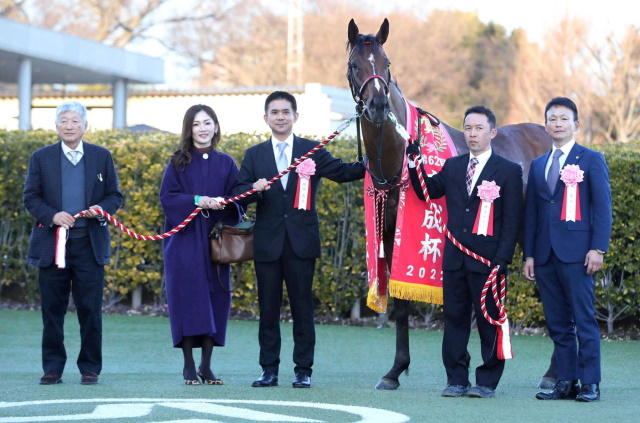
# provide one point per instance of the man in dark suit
(463, 276)
(64, 179)
(286, 235)
(565, 240)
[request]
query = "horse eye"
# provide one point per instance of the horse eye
(388, 64)
(353, 66)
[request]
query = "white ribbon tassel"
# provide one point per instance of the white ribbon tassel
(61, 240)
(303, 194)
(485, 213)
(571, 203)
(504, 342)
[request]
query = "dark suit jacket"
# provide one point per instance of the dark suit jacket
(275, 213)
(43, 199)
(462, 210)
(570, 240)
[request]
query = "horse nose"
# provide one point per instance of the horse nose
(379, 109)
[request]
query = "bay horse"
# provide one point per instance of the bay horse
(377, 94)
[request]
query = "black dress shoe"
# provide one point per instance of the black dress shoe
(268, 378)
(589, 393)
(51, 378)
(88, 378)
(455, 391)
(302, 380)
(481, 392)
(564, 390)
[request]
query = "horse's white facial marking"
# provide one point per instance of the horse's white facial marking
(373, 67)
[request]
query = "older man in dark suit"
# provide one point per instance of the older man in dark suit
(463, 276)
(287, 233)
(64, 179)
(567, 229)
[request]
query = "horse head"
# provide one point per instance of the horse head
(368, 72)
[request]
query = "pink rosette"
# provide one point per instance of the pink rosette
(306, 169)
(488, 191)
(571, 175)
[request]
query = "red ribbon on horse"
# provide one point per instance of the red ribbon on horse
(416, 272)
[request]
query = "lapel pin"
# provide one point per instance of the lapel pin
(100, 176)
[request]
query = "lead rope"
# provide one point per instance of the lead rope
(61, 233)
(504, 340)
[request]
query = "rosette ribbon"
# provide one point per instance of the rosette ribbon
(487, 191)
(305, 170)
(571, 175)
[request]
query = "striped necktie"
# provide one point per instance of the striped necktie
(470, 172)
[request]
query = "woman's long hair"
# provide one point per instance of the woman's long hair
(182, 156)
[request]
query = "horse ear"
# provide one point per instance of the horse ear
(353, 32)
(383, 33)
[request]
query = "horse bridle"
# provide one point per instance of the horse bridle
(357, 94)
(360, 108)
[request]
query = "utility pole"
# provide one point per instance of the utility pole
(294, 44)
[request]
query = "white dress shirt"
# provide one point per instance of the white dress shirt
(483, 158)
(79, 151)
(566, 149)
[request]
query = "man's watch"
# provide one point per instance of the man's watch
(601, 252)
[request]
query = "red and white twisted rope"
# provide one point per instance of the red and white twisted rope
(380, 200)
(197, 210)
(491, 281)
(143, 237)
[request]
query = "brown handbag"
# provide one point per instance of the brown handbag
(232, 244)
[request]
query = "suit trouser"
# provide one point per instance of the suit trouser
(298, 277)
(462, 290)
(83, 277)
(567, 294)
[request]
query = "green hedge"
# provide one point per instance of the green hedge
(340, 275)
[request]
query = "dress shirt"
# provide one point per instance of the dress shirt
(566, 149)
(79, 151)
(483, 158)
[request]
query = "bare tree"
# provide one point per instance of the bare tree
(13, 9)
(553, 70)
(120, 22)
(615, 70)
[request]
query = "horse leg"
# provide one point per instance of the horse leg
(401, 363)
(550, 378)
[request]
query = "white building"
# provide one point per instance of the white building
(321, 108)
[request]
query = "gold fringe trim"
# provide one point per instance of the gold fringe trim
(415, 292)
(374, 301)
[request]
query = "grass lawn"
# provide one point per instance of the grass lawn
(141, 379)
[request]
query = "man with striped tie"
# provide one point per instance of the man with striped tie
(464, 276)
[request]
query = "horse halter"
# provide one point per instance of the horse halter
(357, 93)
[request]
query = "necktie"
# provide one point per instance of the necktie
(470, 171)
(73, 156)
(554, 170)
(282, 162)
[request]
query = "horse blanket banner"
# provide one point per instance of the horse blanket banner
(416, 273)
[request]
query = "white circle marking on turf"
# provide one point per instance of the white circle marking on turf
(127, 408)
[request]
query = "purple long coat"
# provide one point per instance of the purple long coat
(197, 303)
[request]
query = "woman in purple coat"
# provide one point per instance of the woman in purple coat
(198, 292)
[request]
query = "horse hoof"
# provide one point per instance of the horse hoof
(547, 383)
(387, 384)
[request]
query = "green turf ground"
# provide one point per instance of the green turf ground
(141, 379)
